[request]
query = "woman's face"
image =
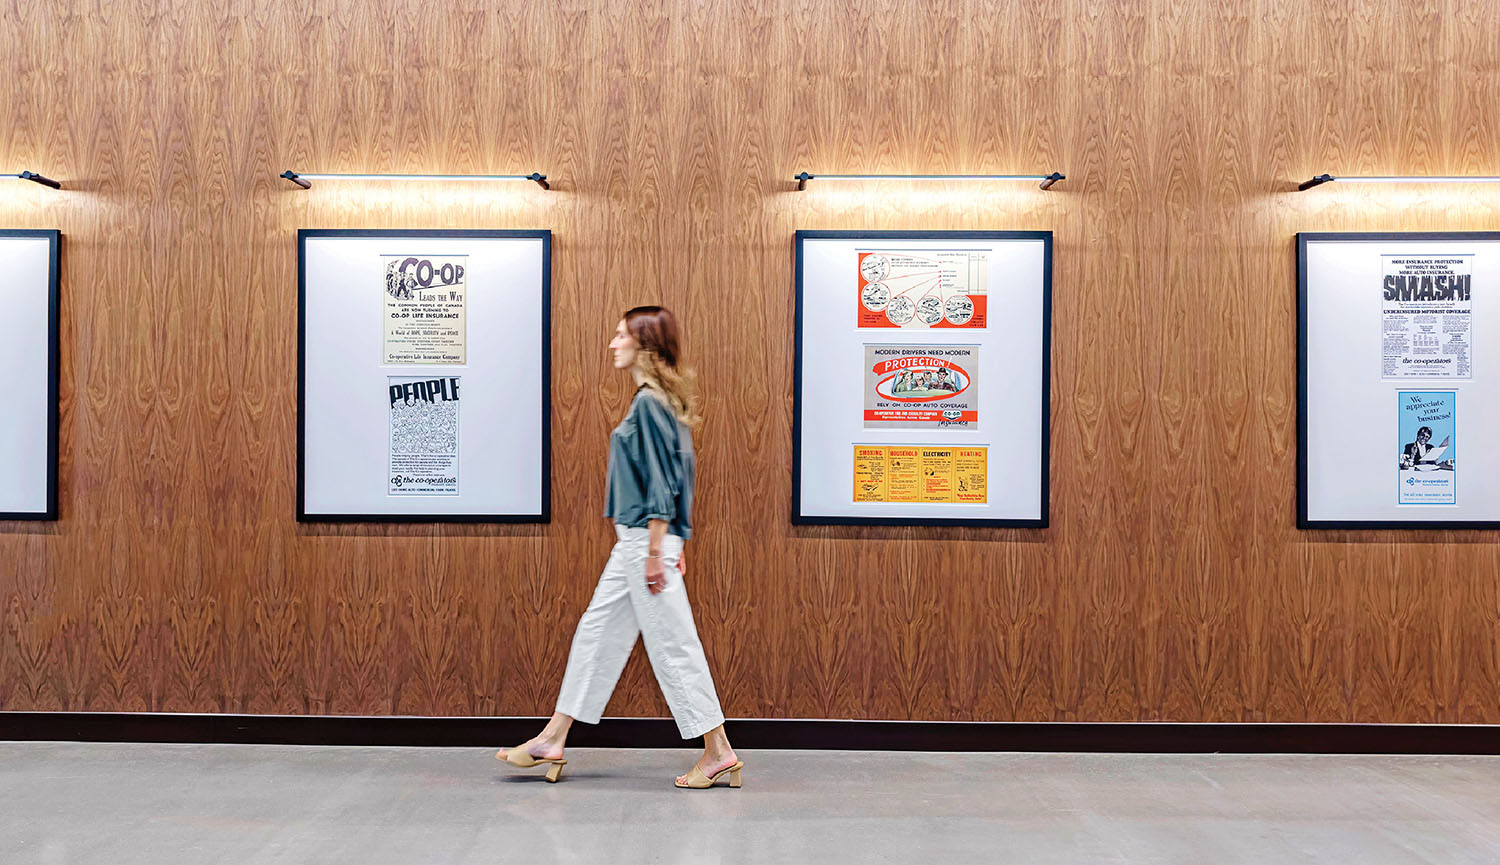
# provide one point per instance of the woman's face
(623, 345)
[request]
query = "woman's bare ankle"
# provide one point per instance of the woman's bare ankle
(555, 734)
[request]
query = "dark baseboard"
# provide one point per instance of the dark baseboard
(750, 734)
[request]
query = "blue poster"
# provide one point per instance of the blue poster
(1427, 447)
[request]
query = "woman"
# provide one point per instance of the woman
(649, 497)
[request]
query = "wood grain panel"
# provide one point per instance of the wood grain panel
(1172, 584)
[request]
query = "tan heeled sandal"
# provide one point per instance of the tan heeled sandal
(696, 780)
(522, 760)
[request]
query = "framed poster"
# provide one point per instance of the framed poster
(29, 354)
(1398, 362)
(423, 362)
(917, 400)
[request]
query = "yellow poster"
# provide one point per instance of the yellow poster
(903, 474)
(925, 474)
(869, 474)
(970, 470)
(937, 474)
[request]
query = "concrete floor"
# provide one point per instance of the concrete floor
(167, 804)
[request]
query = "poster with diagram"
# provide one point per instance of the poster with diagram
(913, 405)
(917, 288)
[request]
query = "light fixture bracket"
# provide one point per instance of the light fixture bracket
(37, 178)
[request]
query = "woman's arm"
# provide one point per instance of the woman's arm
(656, 574)
(659, 482)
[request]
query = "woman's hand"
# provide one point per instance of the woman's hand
(656, 575)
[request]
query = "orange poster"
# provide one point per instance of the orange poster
(924, 288)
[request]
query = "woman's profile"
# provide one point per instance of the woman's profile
(649, 497)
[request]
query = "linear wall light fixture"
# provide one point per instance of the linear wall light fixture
(35, 178)
(1329, 178)
(305, 180)
(1046, 180)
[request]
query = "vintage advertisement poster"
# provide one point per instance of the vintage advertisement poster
(1427, 442)
(424, 436)
(921, 386)
(921, 474)
(425, 309)
(923, 288)
(1426, 320)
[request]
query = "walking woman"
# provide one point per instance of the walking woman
(649, 497)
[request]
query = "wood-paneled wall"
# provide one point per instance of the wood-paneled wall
(1172, 584)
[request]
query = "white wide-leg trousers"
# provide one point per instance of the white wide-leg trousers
(622, 608)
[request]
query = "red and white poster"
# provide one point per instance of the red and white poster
(921, 386)
(923, 288)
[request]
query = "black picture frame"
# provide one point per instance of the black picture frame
(1042, 522)
(1303, 239)
(542, 234)
(54, 366)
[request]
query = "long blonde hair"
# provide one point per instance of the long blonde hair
(654, 329)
